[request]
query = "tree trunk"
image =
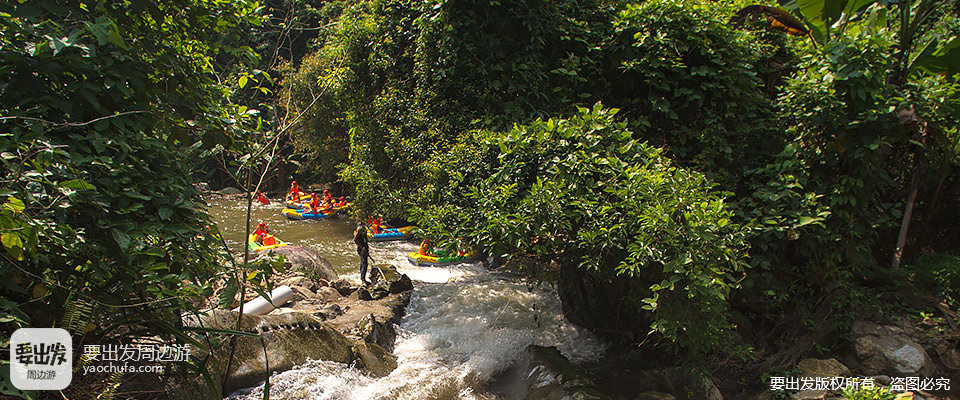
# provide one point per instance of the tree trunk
(907, 214)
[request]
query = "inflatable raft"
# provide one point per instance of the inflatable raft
(418, 259)
(402, 233)
(269, 242)
(303, 201)
(305, 214)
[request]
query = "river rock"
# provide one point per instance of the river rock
(328, 294)
(812, 367)
(372, 331)
(595, 301)
(884, 349)
(291, 339)
(342, 286)
(202, 187)
(401, 285)
(386, 312)
(373, 293)
(681, 383)
(302, 261)
(388, 273)
(386, 280)
(542, 373)
(229, 190)
(374, 359)
(329, 311)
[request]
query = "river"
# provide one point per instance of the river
(464, 324)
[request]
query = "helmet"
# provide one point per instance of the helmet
(260, 223)
(325, 191)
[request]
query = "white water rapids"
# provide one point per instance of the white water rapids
(463, 326)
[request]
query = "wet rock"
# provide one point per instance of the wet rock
(949, 355)
(543, 373)
(401, 285)
(386, 275)
(885, 349)
(812, 367)
(342, 286)
(386, 280)
(291, 339)
(682, 384)
(374, 359)
(592, 300)
(302, 261)
(372, 293)
(229, 190)
(372, 331)
(328, 294)
(386, 312)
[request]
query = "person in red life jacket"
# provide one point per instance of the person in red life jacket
(261, 198)
(377, 226)
(294, 193)
(425, 248)
(327, 198)
(261, 231)
(314, 203)
(341, 202)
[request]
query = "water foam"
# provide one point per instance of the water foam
(463, 325)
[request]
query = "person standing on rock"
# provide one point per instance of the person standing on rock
(363, 250)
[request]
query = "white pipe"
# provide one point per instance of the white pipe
(260, 305)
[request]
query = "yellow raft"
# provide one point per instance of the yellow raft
(305, 214)
(402, 233)
(269, 242)
(418, 259)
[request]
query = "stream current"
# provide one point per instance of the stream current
(463, 325)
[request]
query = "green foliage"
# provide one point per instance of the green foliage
(584, 190)
(877, 393)
(941, 274)
(409, 77)
(689, 83)
(102, 106)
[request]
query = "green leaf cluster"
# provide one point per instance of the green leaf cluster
(102, 108)
(581, 191)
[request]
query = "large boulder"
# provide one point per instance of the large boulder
(595, 301)
(812, 367)
(302, 261)
(886, 349)
(376, 360)
(386, 280)
(290, 339)
(542, 373)
(370, 330)
(684, 384)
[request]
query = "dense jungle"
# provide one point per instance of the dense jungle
(657, 199)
